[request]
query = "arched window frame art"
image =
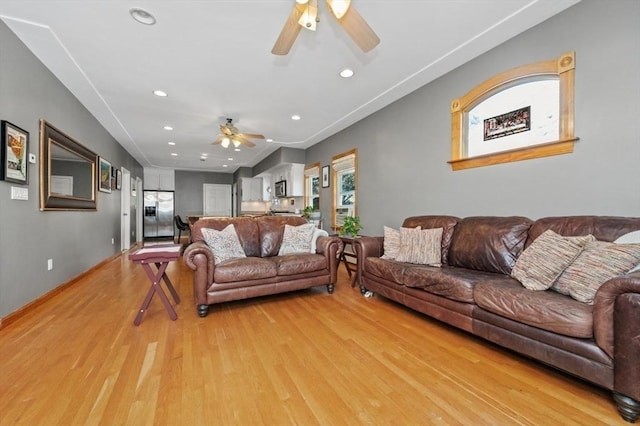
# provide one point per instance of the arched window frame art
(524, 113)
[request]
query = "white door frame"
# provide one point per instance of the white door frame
(125, 210)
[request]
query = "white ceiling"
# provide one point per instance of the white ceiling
(214, 60)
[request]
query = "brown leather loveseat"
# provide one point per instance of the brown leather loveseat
(262, 271)
(474, 291)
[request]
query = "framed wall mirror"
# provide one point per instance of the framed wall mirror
(67, 172)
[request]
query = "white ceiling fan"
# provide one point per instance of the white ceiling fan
(231, 135)
(305, 15)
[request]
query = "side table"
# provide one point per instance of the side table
(353, 273)
(160, 256)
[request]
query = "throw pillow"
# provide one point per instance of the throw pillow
(224, 244)
(317, 233)
(547, 256)
(599, 262)
(391, 243)
(297, 239)
(421, 246)
(630, 238)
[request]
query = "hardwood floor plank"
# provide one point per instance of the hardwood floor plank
(305, 358)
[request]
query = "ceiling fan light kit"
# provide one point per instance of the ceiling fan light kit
(231, 135)
(305, 15)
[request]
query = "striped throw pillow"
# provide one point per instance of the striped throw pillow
(546, 258)
(421, 246)
(599, 262)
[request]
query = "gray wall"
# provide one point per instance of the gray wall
(76, 241)
(188, 195)
(403, 149)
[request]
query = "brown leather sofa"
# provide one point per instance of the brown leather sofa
(262, 272)
(473, 290)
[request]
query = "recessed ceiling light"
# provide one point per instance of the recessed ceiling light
(142, 16)
(160, 93)
(269, 140)
(295, 117)
(171, 143)
(168, 128)
(174, 154)
(224, 165)
(237, 149)
(204, 154)
(230, 159)
(346, 73)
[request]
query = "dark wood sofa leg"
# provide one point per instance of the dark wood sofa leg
(628, 408)
(203, 310)
(330, 288)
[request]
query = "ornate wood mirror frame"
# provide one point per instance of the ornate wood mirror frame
(67, 172)
(520, 114)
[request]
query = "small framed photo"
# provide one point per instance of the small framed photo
(104, 174)
(14, 153)
(325, 177)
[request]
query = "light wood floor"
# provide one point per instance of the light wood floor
(302, 358)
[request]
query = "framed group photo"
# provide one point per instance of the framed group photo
(14, 152)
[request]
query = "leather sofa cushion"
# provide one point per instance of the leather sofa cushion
(271, 230)
(293, 264)
(546, 310)
(243, 269)
(387, 269)
(603, 228)
(447, 223)
(488, 243)
(452, 283)
(246, 228)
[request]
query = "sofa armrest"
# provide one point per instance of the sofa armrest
(366, 247)
(330, 247)
(616, 327)
(199, 257)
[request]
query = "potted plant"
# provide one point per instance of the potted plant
(310, 213)
(351, 226)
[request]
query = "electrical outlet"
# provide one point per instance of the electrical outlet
(49, 264)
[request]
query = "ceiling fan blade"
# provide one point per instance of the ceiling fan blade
(245, 141)
(219, 140)
(358, 29)
(289, 32)
(225, 130)
(252, 135)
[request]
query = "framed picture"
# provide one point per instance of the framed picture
(325, 177)
(118, 179)
(104, 175)
(14, 153)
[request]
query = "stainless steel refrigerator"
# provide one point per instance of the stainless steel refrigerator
(158, 214)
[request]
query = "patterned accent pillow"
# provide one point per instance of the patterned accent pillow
(546, 258)
(599, 262)
(297, 239)
(391, 243)
(224, 244)
(421, 246)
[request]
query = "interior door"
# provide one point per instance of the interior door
(216, 200)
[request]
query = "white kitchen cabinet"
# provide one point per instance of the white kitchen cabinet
(296, 180)
(251, 189)
(161, 179)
